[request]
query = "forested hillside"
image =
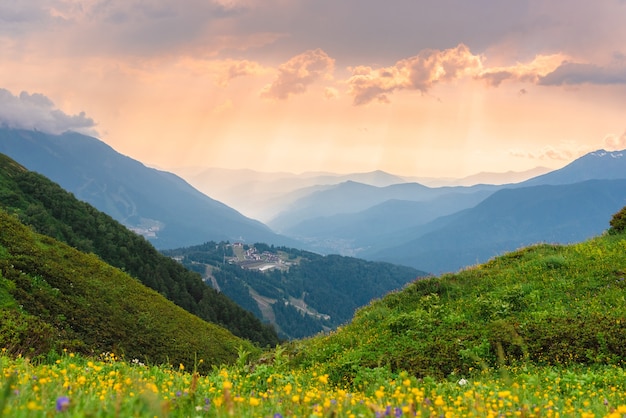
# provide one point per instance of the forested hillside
(300, 292)
(53, 297)
(52, 211)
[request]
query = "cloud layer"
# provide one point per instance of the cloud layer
(419, 73)
(572, 73)
(223, 76)
(36, 111)
(299, 72)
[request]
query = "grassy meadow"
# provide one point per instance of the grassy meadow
(76, 386)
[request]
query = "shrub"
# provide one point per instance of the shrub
(25, 335)
(618, 222)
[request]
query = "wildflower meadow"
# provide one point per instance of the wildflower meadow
(76, 386)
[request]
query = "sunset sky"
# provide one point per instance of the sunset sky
(417, 88)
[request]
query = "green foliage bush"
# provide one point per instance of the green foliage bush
(618, 222)
(25, 335)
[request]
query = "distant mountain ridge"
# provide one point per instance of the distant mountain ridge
(263, 195)
(349, 217)
(596, 165)
(510, 219)
(351, 197)
(159, 205)
(441, 229)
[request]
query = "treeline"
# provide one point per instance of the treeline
(52, 211)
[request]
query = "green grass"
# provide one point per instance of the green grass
(76, 386)
(545, 304)
(536, 332)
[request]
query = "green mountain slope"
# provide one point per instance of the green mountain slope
(546, 304)
(54, 297)
(52, 211)
(300, 292)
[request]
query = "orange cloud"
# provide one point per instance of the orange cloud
(565, 152)
(420, 73)
(331, 93)
(531, 72)
(429, 67)
(298, 73)
(241, 69)
(222, 71)
(614, 142)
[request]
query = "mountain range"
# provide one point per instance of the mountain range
(157, 204)
(377, 216)
(507, 220)
(307, 294)
(263, 195)
(441, 229)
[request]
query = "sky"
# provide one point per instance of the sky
(443, 88)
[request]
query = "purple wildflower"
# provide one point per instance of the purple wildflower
(63, 402)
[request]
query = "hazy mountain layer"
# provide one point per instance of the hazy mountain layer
(263, 195)
(351, 197)
(510, 219)
(446, 228)
(599, 164)
(159, 205)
